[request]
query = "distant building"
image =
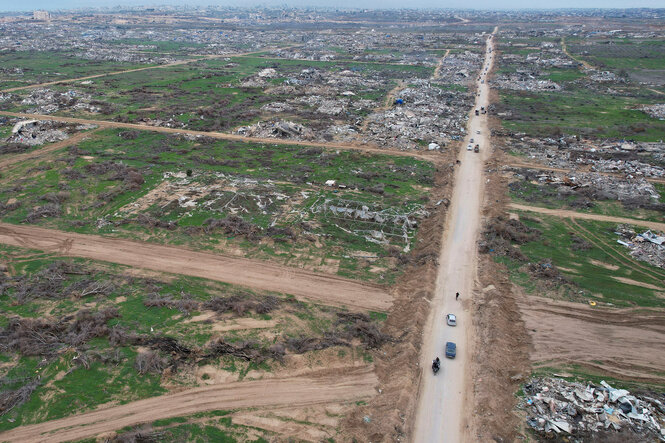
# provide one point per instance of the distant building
(41, 15)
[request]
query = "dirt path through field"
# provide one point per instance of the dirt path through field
(315, 388)
(9, 160)
(433, 157)
(442, 407)
(437, 70)
(586, 216)
(578, 60)
(127, 71)
(301, 283)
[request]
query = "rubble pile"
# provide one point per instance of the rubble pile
(634, 159)
(647, 247)
(525, 81)
(428, 113)
(596, 186)
(655, 111)
(556, 406)
(48, 101)
(605, 76)
(277, 129)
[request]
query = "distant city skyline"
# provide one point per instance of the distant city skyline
(52, 5)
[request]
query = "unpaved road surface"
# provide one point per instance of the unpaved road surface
(301, 283)
(625, 343)
(441, 408)
(563, 213)
(352, 384)
(9, 160)
(434, 157)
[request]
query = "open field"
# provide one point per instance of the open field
(225, 196)
(26, 68)
(582, 104)
(249, 225)
(72, 325)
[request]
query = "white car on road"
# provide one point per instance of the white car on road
(451, 320)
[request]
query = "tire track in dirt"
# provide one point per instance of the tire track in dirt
(315, 388)
(627, 342)
(634, 265)
(233, 137)
(563, 213)
(301, 283)
(13, 159)
(580, 61)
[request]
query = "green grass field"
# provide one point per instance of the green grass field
(87, 364)
(592, 273)
(277, 187)
(40, 67)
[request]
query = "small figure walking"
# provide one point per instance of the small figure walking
(457, 296)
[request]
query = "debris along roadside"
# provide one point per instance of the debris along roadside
(647, 246)
(556, 406)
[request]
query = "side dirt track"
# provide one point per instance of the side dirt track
(233, 137)
(320, 387)
(301, 283)
(586, 216)
(18, 158)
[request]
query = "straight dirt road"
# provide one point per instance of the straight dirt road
(441, 410)
(303, 284)
(563, 213)
(326, 387)
(433, 157)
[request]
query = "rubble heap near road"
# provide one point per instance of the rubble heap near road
(647, 247)
(655, 111)
(48, 101)
(33, 132)
(556, 406)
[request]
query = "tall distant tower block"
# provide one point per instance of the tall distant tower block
(41, 15)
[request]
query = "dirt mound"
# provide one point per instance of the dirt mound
(501, 358)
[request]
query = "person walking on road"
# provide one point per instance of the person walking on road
(457, 296)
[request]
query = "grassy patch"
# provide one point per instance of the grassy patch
(591, 272)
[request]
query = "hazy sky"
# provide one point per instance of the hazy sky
(12, 5)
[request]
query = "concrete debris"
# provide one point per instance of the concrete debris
(605, 76)
(525, 81)
(48, 101)
(593, 185)
(37, 132)
(556, 406)
(375, 225)
(277, 129)
(647, 247)
(655, 111)
(632, 159)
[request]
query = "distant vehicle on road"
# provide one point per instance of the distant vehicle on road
(476, 148)
(477, 132)
(469, 148)
(471, 140)
(451, 349)
(451, 320)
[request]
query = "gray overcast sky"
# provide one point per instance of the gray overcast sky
(13, 5)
